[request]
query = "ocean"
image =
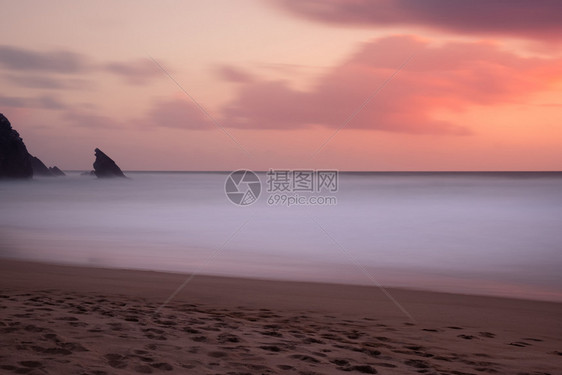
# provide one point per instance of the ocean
(479, 233)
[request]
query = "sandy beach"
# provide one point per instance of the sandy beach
(76, 320)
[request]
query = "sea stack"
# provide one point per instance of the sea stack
(104, 166)
(39, 168)
(15, 161)
(55, 171)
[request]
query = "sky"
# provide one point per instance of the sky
(362, 85)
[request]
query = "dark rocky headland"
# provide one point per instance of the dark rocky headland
(16, 162)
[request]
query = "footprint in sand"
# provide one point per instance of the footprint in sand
(365, 369)
(217, 354)
(154, 330)
(270, 348)
(305, 358)
(73, 347)
(520, 344)
(256, 368)
(167, 323)
(211, 329)
(144, 358)
(430, 330)
(443, 358)
(382, 338)
(414, 347)
(116, 360)
(225, 338)
(286, 367)
(163, 366)
(417, 363)
(57, 351)
(155, 337)
(143, 369)
(488, 335)
(31, 364)
(340, 362)
(384, 364)
(345, 365)
(370, 352)
(115, 326)
(312, 340)
(271, 333)
(32, 328)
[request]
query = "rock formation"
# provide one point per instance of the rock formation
(104, 166)
(55, 171)
(39, 168)
(15, 161)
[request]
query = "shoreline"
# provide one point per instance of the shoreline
(156, 285)
(429, 281)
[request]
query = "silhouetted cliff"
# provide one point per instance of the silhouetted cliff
(15, 161)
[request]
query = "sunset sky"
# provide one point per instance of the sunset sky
(340, 84)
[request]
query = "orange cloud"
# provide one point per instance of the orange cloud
(453, 77)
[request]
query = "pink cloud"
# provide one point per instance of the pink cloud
(89, 119)
(43, 102)
(450, 77)
(178, 113)
(134, 72)
(232, 74)
(46, 68)
(21, 59)
(536, 19)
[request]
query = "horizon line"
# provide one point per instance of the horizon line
(323, 169)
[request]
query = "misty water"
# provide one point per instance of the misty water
(482, 233)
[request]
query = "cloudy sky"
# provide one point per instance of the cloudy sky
(346, 84)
